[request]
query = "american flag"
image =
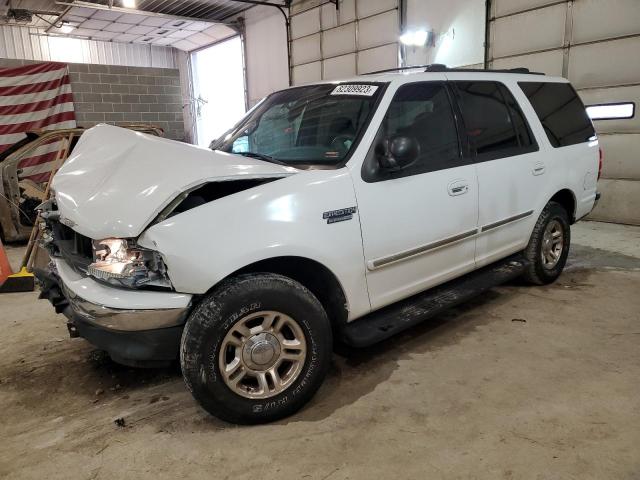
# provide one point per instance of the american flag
(35, 97)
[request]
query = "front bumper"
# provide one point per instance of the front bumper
(133, 326)
(144, 348)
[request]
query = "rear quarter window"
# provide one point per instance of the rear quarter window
(561, 112)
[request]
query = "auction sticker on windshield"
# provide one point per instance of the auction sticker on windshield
(364, 90)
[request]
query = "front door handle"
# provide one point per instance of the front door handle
(538, 168)
(458, 187)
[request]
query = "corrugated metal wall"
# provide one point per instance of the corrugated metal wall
(595, 44)
(266, 52)
(26, 44)
(328, 43)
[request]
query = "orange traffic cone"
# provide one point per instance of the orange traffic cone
(13, 282)
(5, 267)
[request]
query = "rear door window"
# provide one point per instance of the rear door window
(561, 112)
(493, 123)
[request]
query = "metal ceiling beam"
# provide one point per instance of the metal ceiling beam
(97, 6)
(49, 13)
(59, 19)
(266, 4)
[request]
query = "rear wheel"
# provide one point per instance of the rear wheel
(256, 349)
(548, 246)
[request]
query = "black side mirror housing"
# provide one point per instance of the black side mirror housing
(398, 152)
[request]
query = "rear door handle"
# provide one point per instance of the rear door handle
(458, 187)
(538, 168)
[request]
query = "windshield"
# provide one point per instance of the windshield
(311, 126)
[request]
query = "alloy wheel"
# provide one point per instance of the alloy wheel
(262, 354)
(552, 244)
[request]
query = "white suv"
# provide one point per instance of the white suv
(347, 210)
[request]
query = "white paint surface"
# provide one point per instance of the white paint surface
(116, 181)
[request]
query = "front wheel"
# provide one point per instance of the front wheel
(256, 349)
(548, 246)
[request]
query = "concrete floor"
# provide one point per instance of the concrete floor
(539, 383)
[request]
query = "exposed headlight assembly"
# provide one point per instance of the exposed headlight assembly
(120, 261)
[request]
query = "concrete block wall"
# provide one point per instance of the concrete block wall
(118, 94)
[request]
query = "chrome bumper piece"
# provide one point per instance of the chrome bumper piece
(119, 309)
(124, 320)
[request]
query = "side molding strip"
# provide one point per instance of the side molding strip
(381, 262)
(397, 257)
(500, 223)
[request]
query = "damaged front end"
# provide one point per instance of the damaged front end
(114, 293)
(110, 282)
(117, 261)
(120, 261)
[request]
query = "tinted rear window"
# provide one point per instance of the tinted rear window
(560, 111)
(525, 137)
(493, 122)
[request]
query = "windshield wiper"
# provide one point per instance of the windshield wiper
(262, 156)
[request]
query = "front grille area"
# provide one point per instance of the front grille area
(75, 248)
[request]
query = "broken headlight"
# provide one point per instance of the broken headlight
(120, 261)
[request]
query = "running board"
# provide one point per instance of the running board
(397, 317)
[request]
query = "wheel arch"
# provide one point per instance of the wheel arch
(315, 276)
(567, 199)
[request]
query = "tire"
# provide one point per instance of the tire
(226, 333)
(545, 266)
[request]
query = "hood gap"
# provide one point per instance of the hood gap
(212, 191)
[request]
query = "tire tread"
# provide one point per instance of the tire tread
(535, 273)
(208, 317)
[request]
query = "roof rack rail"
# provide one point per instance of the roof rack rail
(439, 67)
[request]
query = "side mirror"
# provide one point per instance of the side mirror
(396, 153)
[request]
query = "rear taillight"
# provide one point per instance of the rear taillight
(600, 163)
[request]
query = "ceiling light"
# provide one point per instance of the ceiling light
(417, 38)
(67, 28)
(129, 3)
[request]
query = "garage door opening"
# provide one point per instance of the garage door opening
(218, 83)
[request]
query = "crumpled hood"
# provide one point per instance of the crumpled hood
(116, 180)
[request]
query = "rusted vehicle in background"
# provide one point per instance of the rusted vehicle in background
(20, 190)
